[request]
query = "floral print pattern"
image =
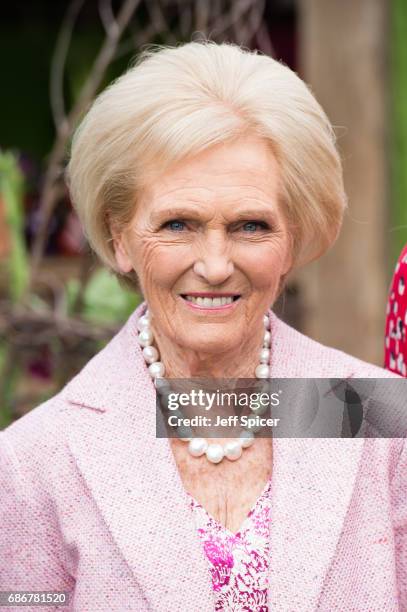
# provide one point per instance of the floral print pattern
(396, 320)
(238, 562)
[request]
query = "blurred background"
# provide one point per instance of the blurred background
(57, 306)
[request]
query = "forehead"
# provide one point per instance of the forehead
(245, 169)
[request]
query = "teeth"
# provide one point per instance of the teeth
(209, 302)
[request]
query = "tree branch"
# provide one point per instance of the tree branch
(232, 17)
(202, 10)
(244, 30)
(24, 327)
(263, 41)
(107, 17)
(158, 19)
(55, 165)
(58, 63)
(184, 18)
(138, 39)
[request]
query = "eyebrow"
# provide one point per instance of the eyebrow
(263, 214)
(266, 214)
(160, 216)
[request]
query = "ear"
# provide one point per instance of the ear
(121, 252)
(289, 259)
(120, 246)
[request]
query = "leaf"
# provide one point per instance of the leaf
(72, 289)
(11, 192)
(10, 374)
(106, 301)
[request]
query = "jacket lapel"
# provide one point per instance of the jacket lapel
(134, 480)
(313, 482)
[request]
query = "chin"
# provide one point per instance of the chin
(209, 343)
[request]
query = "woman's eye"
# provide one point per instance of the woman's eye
(252, 226)
(175, 226)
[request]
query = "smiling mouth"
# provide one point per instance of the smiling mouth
(215, 301)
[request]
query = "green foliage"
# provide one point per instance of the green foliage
(11, 192)
(10, 375)
(398, 119)
(104, 301)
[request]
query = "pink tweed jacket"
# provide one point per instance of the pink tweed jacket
(92, 503)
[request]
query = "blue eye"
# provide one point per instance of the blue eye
(251, 226)
(175, 226)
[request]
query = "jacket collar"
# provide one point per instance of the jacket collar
(110, 380)
(134, 480)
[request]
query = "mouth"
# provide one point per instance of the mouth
(210, 301)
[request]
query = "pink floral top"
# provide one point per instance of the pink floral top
(238, 562)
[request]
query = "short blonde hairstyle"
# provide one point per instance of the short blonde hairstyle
(177, 101)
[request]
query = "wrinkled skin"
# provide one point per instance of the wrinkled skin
(219, 200)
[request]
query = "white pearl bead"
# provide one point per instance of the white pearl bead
(233, 450)
(156, 369)
(246, 438)
(215, 453)
(145, 337)
(143, 323)
(150, 354)
(197, 447)
(262, 371)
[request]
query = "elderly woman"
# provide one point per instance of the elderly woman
(203, 176)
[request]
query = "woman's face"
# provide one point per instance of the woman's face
(209, 244)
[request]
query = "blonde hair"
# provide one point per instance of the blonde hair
(177, 101)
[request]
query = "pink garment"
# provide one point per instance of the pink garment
(92, 502)
(238, 562)
(395, 356)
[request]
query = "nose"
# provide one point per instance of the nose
(213, 263)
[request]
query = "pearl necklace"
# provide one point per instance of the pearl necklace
(215, 452)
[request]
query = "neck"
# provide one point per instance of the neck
(238, 362)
